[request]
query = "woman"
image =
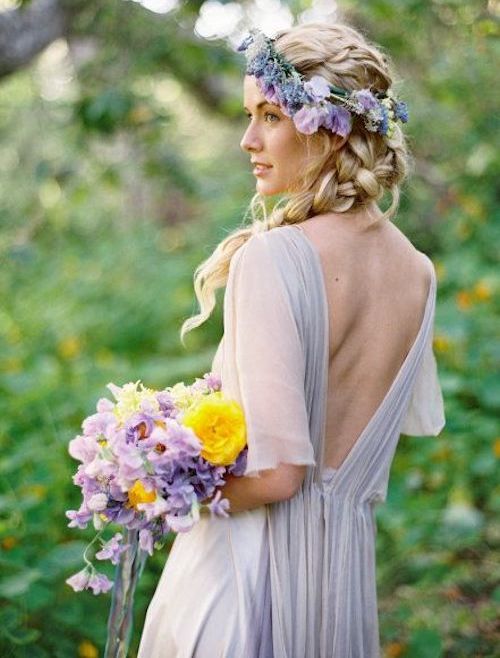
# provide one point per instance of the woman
(328, 327)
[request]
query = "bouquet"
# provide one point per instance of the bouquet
(149, 460)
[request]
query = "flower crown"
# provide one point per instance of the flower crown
(314, 103)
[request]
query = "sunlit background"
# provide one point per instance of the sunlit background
(120, 171)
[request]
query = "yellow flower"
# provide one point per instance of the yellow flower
(482, 291)
(87, 650)
(138, 494)
(464, 300)
(496, 447)
(440, 270)
(183, 396)
(129, 399)
(441, 343)
(219, 423)
(8, 543)
(69, 347)
(394, 650)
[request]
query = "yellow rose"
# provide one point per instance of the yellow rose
(219, 423)
(138, 494)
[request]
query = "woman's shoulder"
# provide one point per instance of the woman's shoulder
(261, 243)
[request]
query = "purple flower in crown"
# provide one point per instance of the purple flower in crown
(401, 111)
(384, 121)
(245, 43)
(317, 88)
(308, 119)
(269, 89)
(291, 97)
(337, 119)
(257, 66)
(365, 100)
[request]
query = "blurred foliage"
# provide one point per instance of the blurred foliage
(119, 174)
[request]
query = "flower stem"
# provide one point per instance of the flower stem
(128, 572)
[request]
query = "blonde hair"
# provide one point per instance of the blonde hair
(337, 180)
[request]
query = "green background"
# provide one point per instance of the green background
(120, 171)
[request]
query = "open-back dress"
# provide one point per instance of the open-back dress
(296, 578)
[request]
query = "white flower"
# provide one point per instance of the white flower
(97, 502)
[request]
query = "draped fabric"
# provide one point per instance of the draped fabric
(294, 579)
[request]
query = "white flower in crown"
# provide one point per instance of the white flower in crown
(257, 46)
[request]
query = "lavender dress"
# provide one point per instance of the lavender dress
(295, 579)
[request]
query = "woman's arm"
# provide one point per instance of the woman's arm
(274, 485)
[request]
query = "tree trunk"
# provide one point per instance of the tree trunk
(27, 30)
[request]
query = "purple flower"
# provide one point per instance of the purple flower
(257, 65)
(291, 96)
(317, 88)
(125, 516)
(100, 423)
(99, 583)
(78, 519)
(79, 581)
(139, 426)
(308, 119)
(167, 404)
(268, 88)
(217, 506)
(131, 466)
(154, 509)
(99, 469)
(180, 523)
(183, 441)
(112, 549)
(103, 405)
(337, 119)
(213, 381)
(401, 111)
(180, 494)
(384, 122)
(97, 502)
(365, 99)
(245, 43)
(146, 540)
(239, 466)
(83, 448)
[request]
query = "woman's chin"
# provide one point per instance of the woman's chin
(267, 188)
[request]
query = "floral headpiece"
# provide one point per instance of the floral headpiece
(314, 103)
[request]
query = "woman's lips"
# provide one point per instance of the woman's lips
(260, 170)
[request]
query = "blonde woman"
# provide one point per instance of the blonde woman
(327, 345)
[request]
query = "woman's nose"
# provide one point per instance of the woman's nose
(251, 140)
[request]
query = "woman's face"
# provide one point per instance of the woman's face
(271, 139)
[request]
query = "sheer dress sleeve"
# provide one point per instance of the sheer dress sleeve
(425, 412)
(262, 363)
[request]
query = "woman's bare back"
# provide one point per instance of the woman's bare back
(377, 286)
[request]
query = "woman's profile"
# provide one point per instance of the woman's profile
(327, 345)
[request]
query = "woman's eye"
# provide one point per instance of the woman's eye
(270, 114)
(267, 114)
